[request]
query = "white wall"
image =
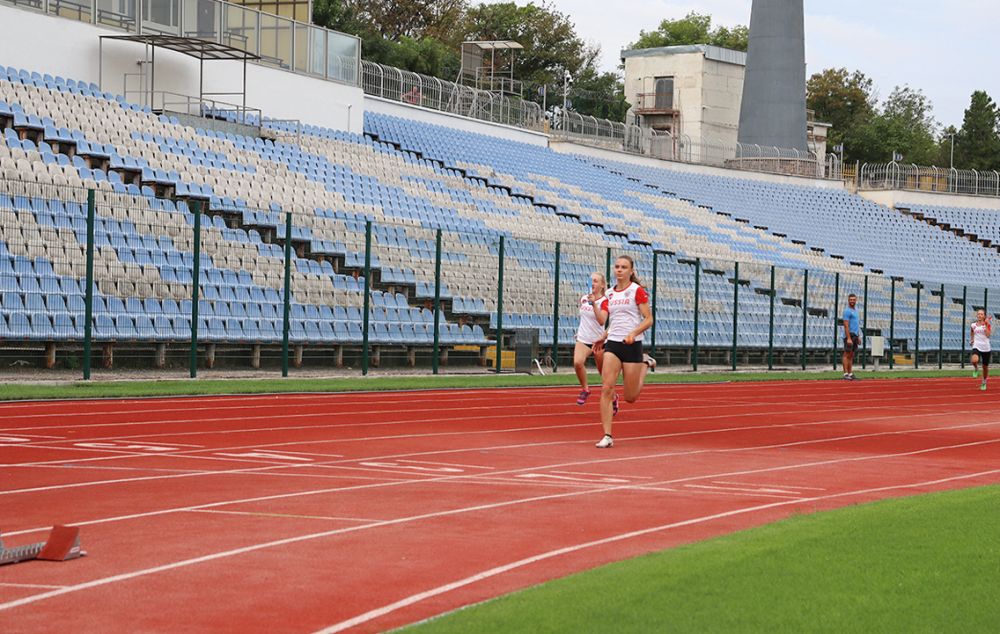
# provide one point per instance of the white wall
(646, 161)
(59, 46)
(722, 93)
(458, 122)
(903, 198)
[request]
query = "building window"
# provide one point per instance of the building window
(664, 99)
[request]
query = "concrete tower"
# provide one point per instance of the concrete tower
(773, 111)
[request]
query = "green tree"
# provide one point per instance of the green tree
(415, 35)
(695, 28)
(600, 95)
(846, 101)
(944, 153)
(977, 145)
(549, 38)
(391, 19)
(905, 125)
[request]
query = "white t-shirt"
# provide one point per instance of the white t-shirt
(623, 310)
(589, 330)
(980, 340)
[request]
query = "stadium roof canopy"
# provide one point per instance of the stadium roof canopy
(500, 45)
(195, 47)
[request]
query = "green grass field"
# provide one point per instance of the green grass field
(188, 387)
(928, 563)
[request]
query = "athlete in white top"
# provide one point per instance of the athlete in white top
(627, 306)
(979, 339)
(590, 335)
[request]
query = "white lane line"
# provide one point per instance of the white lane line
(362, 398)
(596, 461)
(780, 492)
(607, 475)
(285, 515)
(350, 464)
(669, 402)
(449, 464)
(452, 512)
(834, 421)
(796, 487)
(727, 493)
(29, 585)
(493, 572)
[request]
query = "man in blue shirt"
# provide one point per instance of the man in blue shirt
(852, 335)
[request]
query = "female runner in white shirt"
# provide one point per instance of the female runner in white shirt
(627, 306)
(590, 335)
(979, 335)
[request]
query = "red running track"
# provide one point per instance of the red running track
(307, 513)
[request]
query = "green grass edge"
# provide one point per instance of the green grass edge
(271, 385)
(918, 563)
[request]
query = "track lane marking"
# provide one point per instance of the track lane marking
(284, 515)
(834, 421)
(493, 572)
(357, 464)
(904, 395)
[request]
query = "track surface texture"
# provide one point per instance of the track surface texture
(363, 512)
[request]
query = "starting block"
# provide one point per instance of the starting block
(63, 544)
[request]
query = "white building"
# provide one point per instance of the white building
(693, 91)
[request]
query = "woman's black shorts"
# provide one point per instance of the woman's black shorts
(984, 357)
(626, 353)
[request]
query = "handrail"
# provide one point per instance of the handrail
(896, 176)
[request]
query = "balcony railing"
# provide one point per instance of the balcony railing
(279, 42)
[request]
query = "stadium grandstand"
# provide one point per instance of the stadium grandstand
(222, 190)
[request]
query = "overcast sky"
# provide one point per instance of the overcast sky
(947, 49)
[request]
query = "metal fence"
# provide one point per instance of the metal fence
(92, 280)
(279, 42)
(897, 176)
(415, 89)
(740, 156)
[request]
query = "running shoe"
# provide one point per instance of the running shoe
(582, 397)
(614, 405)
(649, 361)
(606, 442)
(975, 373)
(983, 386)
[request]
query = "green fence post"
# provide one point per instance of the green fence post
(892, 322)
(287, 310)
(916, 335)
(365, 348)
(965, 308)
(770, 324)
(607, 266)
(836, 316)
(195, 274)
(697, 294)
(555, 314)
(498, 362)
(805, 314)
(652, 334)
(941, 331)
(88, 311)
(864, 327)
(436, 358)
(736, 310)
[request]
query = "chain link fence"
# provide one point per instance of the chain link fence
(94, 280)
